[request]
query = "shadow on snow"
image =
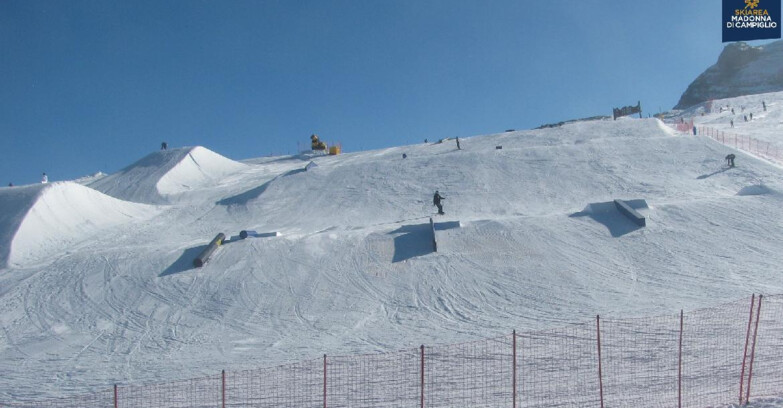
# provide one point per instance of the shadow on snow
(608, 215)
(184, 262)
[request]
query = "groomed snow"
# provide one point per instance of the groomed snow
(161, 176)
(46, 221)
(521, 246)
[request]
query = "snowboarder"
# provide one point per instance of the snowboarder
(436, 200)
(164, 146)
(44, 179)
(730, 160)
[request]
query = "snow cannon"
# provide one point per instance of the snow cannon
(202, 258)
(316, 144)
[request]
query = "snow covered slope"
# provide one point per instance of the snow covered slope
(524, 244)
(161, 176)
(45, 220)
(741, 70)
(748, 120)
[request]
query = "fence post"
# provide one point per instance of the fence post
(679, 367)
(324, 380)
(745, 353)
(600, 377)
(422, 376)
(753, 349)
(514, 368)
(223, 387)
(115, 396)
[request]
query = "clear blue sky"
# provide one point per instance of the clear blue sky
(88, 86)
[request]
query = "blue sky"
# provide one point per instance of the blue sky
(88, 86)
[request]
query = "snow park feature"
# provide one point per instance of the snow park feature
(41, 221)
(163, 176)
(434, 240)
(629, 212)
(203, 257)
(250, 233)
(86, 305)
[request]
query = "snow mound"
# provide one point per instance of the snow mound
(159, 176)
(15, 202)
(41, 220)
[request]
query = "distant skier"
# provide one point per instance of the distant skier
(751, 116)
(764, 104)
(732, 123)
(730, 160)
(436, 199)
(458, 148)
(11, 184)
(44, 179)
(164, 146)
(694, 130)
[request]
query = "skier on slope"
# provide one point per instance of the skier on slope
(44, 179)
(436, 201)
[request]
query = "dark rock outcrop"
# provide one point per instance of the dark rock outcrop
(741, 70)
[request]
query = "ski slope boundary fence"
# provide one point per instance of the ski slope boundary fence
(748, 144)
(751, 145)
(727, 354)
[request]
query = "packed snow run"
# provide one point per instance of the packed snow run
(98, 285)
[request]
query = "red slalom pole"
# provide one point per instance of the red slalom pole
(514, 370)
(679, 367)
(753, 349)
(745, 353)
(600, 377)
(422, 376)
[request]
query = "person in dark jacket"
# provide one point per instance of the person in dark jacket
(436, 200)
(730, 160)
